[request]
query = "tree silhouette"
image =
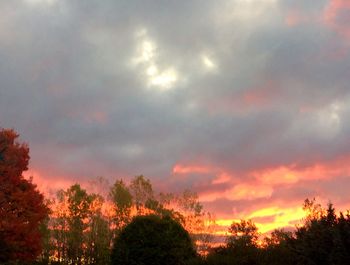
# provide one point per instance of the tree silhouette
(243, 233)
(153, 240)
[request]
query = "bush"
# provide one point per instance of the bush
(153, 240)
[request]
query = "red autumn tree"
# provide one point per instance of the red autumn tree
(22, 207)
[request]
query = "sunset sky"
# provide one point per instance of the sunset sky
(246, 102)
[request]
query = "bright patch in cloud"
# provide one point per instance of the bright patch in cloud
(276, 217)
(164, 80)
(147, 58)
(208, 63)
(329, 118)
(132, 150)
(331, 114)
(146, 52)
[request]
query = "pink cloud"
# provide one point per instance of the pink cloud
(334, 15)
(183, 169)
(48, 186)
(97, 116)
(261, 94)
(334, 7)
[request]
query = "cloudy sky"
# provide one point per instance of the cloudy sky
(246, 102)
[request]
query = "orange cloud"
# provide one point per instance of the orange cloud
(281, 218)
(290, 174)
(275, 217)
(222, 178)
(254, 185)
(243, 191)
(260, 184)
(275, 176)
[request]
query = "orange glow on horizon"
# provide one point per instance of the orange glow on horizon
(260, 185)
(280, 218)
(47, 186)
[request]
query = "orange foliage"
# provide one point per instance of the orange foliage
(22, 207)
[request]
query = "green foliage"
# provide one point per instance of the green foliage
(153, 240)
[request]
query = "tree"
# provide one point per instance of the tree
(277, 248)
(153, 240)
(80, 233)
(98, 234)
(193, 218)
(277, 237)
(122, 201)
(243, 233)
(79, 202)
(22, 207)
(317, 241)
(59, 226)
(242, 244)
(142, 191)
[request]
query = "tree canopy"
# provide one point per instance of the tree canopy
(153, 240)
(145, 226)
(22, 207)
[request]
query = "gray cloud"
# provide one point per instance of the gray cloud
(274, 94)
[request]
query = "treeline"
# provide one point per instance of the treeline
(78, 225)
(322, 239)
(81, 225)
